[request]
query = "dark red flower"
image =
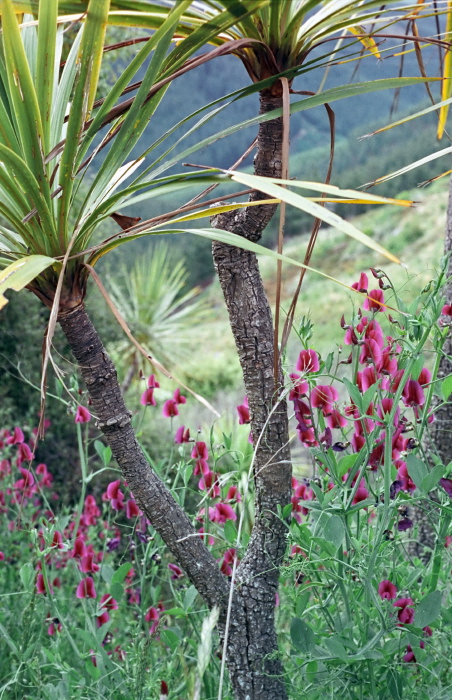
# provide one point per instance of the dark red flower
(85, 588)
(82, 415)
(387, 590)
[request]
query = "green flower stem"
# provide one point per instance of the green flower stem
(56, 612)
(84, 470)
(438, 554)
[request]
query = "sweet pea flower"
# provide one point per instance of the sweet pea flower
(227, 563)
(447, 310)
(363, 283)
(200, 451)
(82, 415)
(182, 435)
(361, 493)
(425, 377)
(170, 409)
(147, 398)
(85, 588)
(79, 550)
(221, 512)
(176, 571)
(413, 394)
(322, 397)
(108, 602)
(40, 584)
(46, 477)
(244, 412)
(2, 556)
(308, 361)
(387, 590)
(178, 398)
(374, 300)
(209, 483)
(115, 495)
(152, 615)
(406, 613)
(16, 438)
(87, 564)
(24, 454)
(132, 510)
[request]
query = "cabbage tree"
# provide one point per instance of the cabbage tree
(52, 129)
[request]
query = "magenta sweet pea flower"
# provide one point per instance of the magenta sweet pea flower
(170, 409)
(300, 387)
(57, 541)
(108, 602)
(361, 493)
(115, 495)
(24, 454)
(405, 613)
(336, 420)
(176, 571)
(322, 397)
(387, 590)
(147, 398)
(221, 512)
(2, 556)
(16, 438)
(178, 398)
(132, 510)
(46, 477)
(228, 561)
(182, 435)
(87, 564)
(447, 310)
(374, 300)
(85, 588)
(40, 584)
(425, 377)
(244, 412)
(152, 615)
(209, 483)
(447, 486)
(308, 361)
(82, 415)
(413, 394)
(200, 451)
(363, 284)
(79, 550)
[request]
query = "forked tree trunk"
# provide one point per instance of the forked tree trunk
(438, 439)
(252, 326)
(440, 431)
(250, 672)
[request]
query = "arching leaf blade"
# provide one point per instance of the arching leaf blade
(21, 272)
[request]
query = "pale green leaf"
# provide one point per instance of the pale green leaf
(21, 272)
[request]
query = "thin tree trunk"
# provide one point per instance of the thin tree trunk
(251, 673)
(438, 439)
(440, 431)
(252, 326)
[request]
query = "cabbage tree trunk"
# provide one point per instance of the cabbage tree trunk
(252, 326)
(439, 433)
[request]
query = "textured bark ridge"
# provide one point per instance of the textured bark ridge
(440, 431)
(114, 420)
(439, 437)
(252, 326)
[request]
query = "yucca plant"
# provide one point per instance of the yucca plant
(50, 126)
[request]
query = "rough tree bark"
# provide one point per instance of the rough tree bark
(250, 672)
(252, 326)
(440, 432)
(438, 439)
